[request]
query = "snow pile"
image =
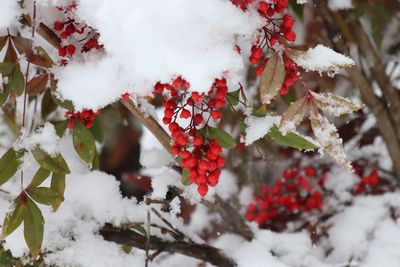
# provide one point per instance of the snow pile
(8, 13)
(151, 41)
(258, 127)
(322, 59)
(45, 138)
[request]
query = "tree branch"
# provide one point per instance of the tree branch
(201, 252)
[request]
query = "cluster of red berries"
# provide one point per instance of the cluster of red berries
(86, 117)
(201, 155)
(276, 27)
(366, 183)
(291, 75)
(297, 191)
(88, 37)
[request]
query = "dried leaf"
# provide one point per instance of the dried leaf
(272, 78)
(37, 84)
(49, 35)
(40, 57)
(23, 45)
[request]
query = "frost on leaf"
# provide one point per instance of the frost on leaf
(293, 116)
(257, 127)
(272, 78)
(335, 105)
(328, 137)
(321, 59)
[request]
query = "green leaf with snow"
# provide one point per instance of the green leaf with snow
(291, 139)
(52, 163)
(14, 217)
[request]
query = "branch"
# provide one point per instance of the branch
(201, 252)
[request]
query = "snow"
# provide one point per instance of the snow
(258, 127)
(8, 13)
(322, 59)
(192, 46)
(340, 4)
(45, 138)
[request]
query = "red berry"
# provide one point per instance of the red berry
(185, 114)
(216, 114)
(202, 189)
(198, 119)
(58, 26)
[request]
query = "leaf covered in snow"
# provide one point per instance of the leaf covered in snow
(293, 116)
(321, 59)
(327, 135)
(335, 105)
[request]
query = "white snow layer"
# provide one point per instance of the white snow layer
(8, 13)
(151, 41)
(258, 127)
(322, 59)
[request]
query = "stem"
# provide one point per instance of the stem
(26, 85)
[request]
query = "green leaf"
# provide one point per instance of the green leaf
(127, 249)
(297, 8)
(14, 217)
(48, 105)
(54, 164)
(96, 161)
(3, 97)
(291, 139)
(260, 112)
(58, 186)
(233, 97)
(223, 138)
(9, 164)
(272, 78)
(67, 104)
(83, 142)
(97, 130)
(33, 228)
(6, 68)
(60, 127)
(17, 81)
(3, 41)
(39, 177)
(185, 177)
(43, 195)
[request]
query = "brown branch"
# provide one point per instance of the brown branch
(201, 252)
